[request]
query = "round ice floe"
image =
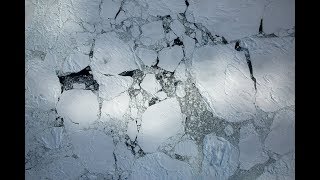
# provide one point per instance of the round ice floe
(159, 166)
(42, 86)
(221, 158)
(223, 78)
(159, 122)
(281, 138)
(78, 106)
(94, 149)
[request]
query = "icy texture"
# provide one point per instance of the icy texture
(282, 136)
(117, 107)
(159, 122)
(223, 78)
(94, 149)
(148, 56)
(160, 89)
(220, 158)
(279, 16)
(112, 56)
(152, 32)
(251, 149)
(170, 57)
(52, 137)
(187, 148)
(42, 86)
(160, 166)
(227, 17)
(276, 87)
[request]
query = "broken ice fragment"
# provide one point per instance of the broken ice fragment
(79, 107)
(150, 84)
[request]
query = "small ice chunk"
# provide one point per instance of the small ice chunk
(282, 136)
(177, 28)
(186, 148)
(149, 57)
(180, 72)
(117, 107)
(78, 86)
(228, 130)
(159, 122)
(52, 138)
(251, 149)
(180, 90)
(161, 95)
(150, 84)
(221, 158)
(160, 166)
(134, 112)
(170, 57)
(78, 106)
(94, 149)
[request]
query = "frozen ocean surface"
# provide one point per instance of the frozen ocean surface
(160, 89)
